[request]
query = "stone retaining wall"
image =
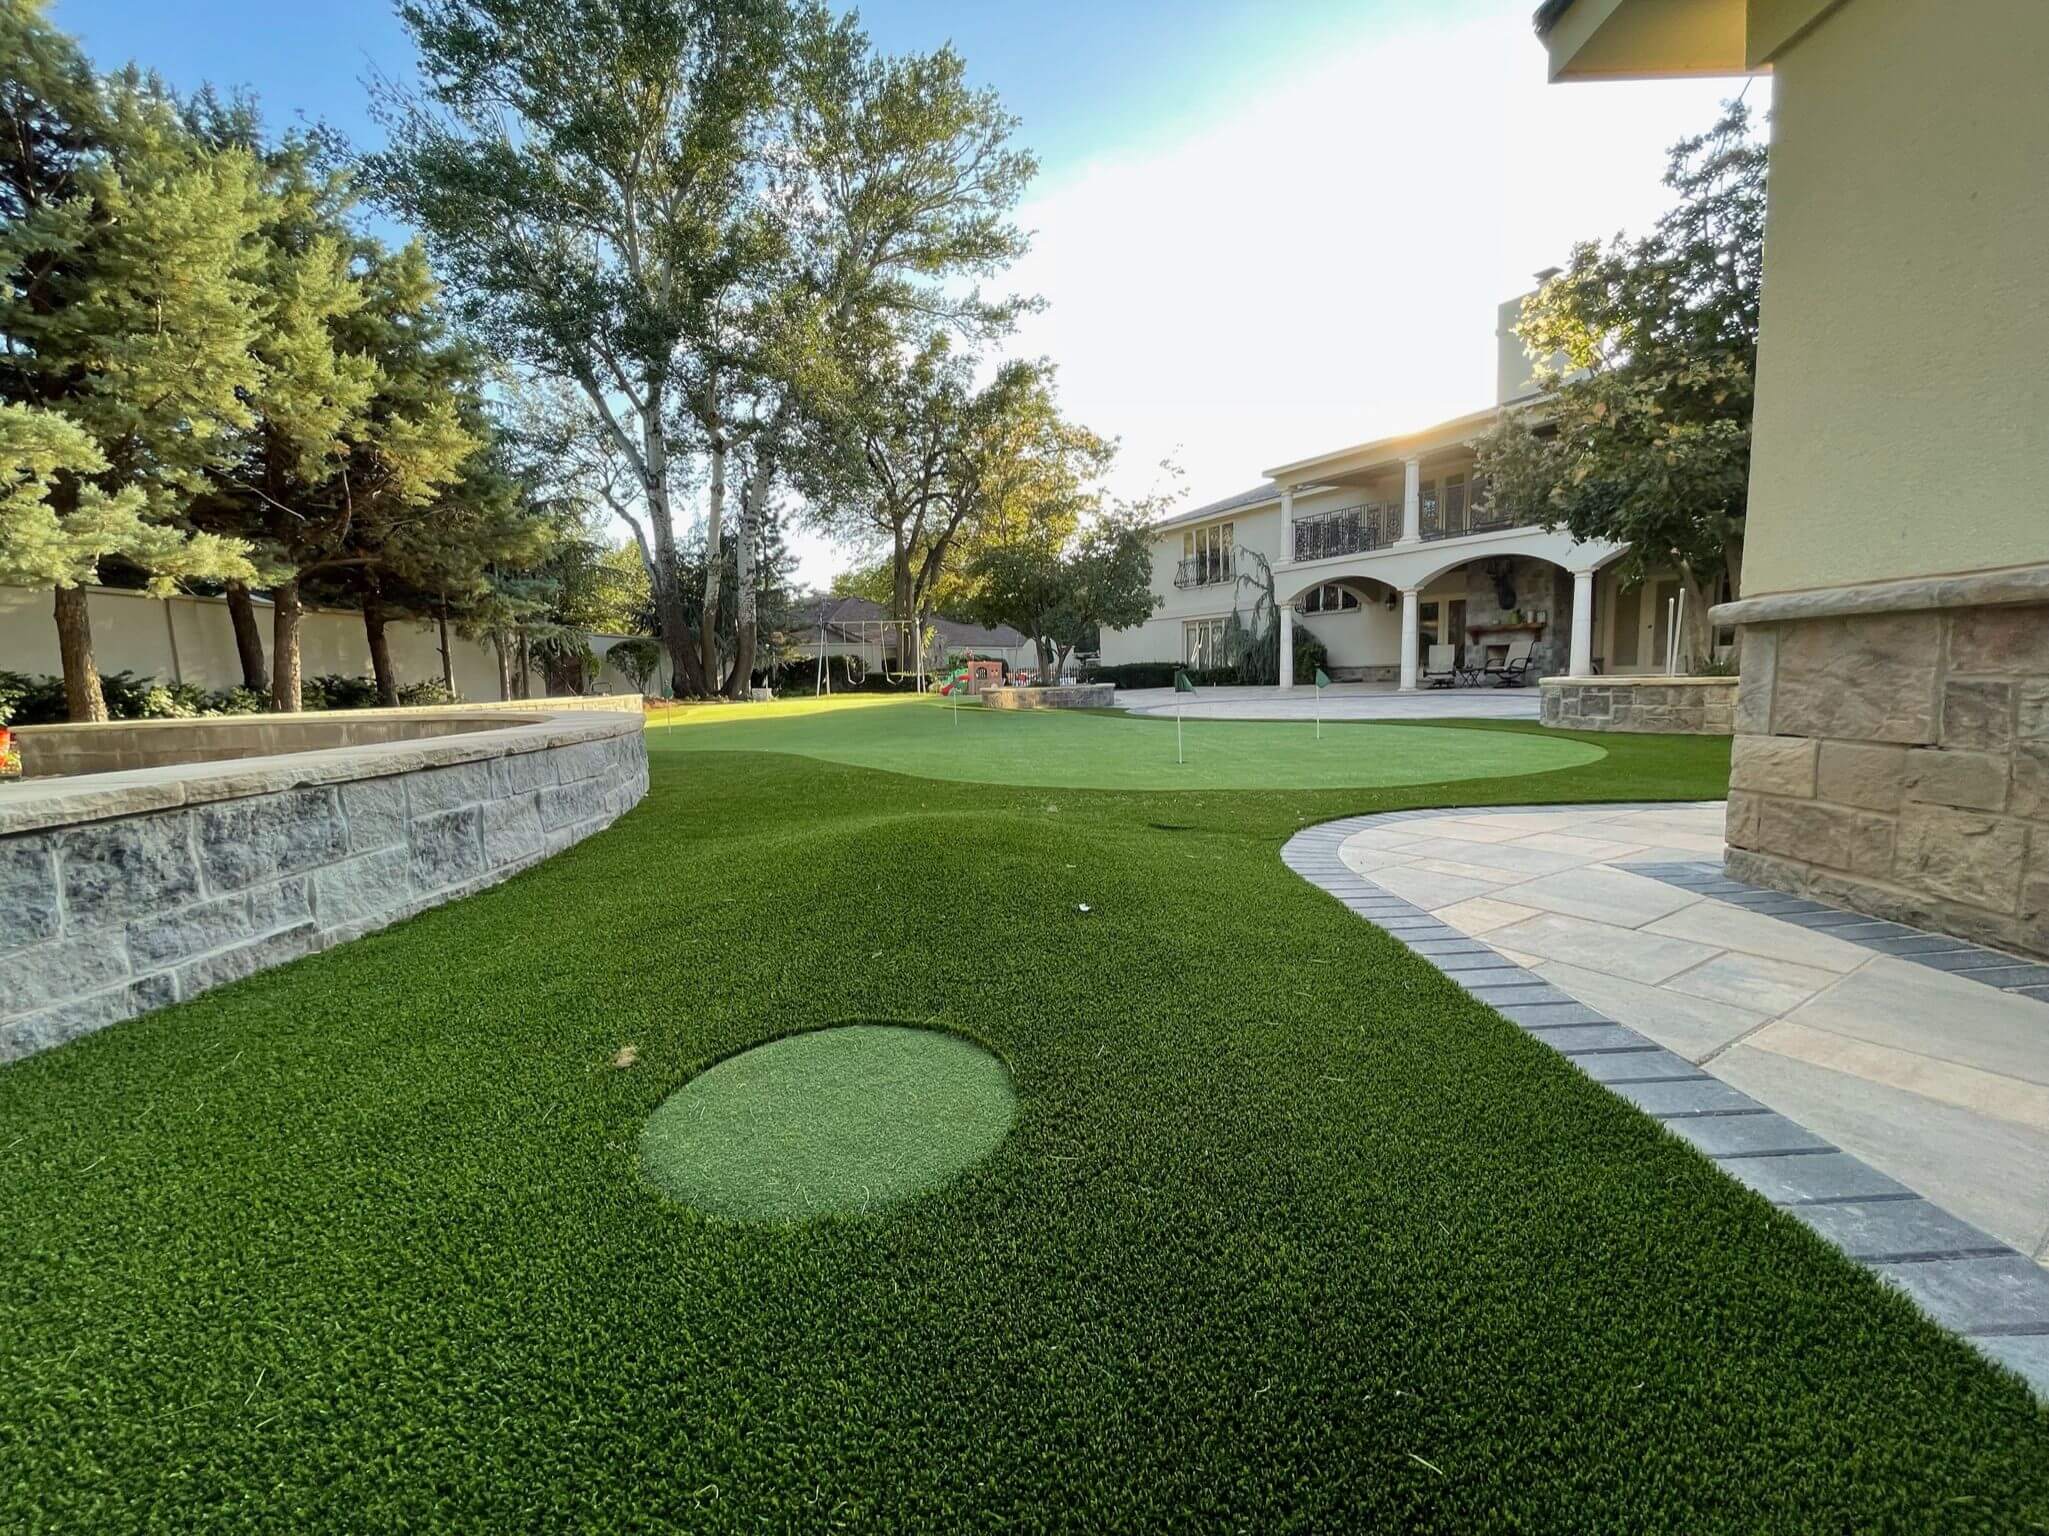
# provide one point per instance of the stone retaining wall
(1686, 706)
(115, 746)
(124, 892)
(1065, 696)
(1898, 763)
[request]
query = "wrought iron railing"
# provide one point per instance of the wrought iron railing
(1346, 531)
(1204, 570)
(1449, 523)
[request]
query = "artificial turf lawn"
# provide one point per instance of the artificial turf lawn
(1290, 1233)
(842, 1119)
(1067, 749)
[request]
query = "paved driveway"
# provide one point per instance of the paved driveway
(1341, 701)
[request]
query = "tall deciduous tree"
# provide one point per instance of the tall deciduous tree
(582, 168)
(889, 190)
(127, 256)
(1642, 437)
(932, 468)
(694, 211)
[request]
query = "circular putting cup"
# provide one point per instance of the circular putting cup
(834, 1121)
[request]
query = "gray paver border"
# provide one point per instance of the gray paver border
(1918, 946)
(1966, 1280)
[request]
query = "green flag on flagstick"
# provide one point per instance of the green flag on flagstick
(1322, 678)
(1183, 685)
(1322, 682)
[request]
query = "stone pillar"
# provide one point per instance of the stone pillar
(1287, 645)
(1412, 610)
(1412, 501)
(1582, 662)
(1287, 524)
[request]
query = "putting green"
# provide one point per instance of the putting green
(836, 1120)
(1065, 749)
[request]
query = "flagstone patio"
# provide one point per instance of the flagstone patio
(1340, 701)
(1898, 1063)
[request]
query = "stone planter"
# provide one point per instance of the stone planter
(1683, 706)
(123, 891)
(1062, 696)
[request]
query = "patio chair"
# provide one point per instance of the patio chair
(1440, 666)
(1514, 668)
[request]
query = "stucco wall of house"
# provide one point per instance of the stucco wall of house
(1159, 638)
(1903, 406)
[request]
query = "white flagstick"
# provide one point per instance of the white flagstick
(1319, 712)
(1177, 730)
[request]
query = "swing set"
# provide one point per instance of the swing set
(890, 639)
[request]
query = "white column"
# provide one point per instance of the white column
(1287, 524)
(1412, 627)
(1412, 501)
(1582, 664)
(1287, 645)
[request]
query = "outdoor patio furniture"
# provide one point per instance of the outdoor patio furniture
(1512, 670)
(1440, 666)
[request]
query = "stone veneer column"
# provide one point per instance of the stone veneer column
(1287, 645)
(1892, 752)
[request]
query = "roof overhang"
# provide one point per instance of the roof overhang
(1381, 451)
(1210, 511)
(1654, 39)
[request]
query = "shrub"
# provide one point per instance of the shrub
(331, 690)
(636, 659)
(236, 701)
(1137, 674)
(1160, 674)
(26, 700)
(429, 690)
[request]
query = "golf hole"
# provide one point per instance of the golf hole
(833, 1121)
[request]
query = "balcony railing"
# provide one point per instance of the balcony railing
(1204, 570)
(1457, 522)
(1346, 531)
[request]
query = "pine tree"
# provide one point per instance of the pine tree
(126, 290)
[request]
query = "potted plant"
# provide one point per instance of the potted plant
(10, 755)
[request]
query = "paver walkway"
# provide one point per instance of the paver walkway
(1927, 1065)
(1341, 701)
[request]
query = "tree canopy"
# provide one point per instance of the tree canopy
(1642, 436)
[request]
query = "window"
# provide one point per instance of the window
(1454, 504)
(1206, 552)
(1202, 644)
(1330, 598)
(1426, 627)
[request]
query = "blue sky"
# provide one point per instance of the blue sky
(1080, 75)
(1263, 229)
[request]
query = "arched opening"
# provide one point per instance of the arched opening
(1357, 622)
(1502, 619)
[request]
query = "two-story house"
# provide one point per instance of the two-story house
(1387, 548)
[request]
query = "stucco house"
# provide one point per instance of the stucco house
(1387, 548)
(1893, 719)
